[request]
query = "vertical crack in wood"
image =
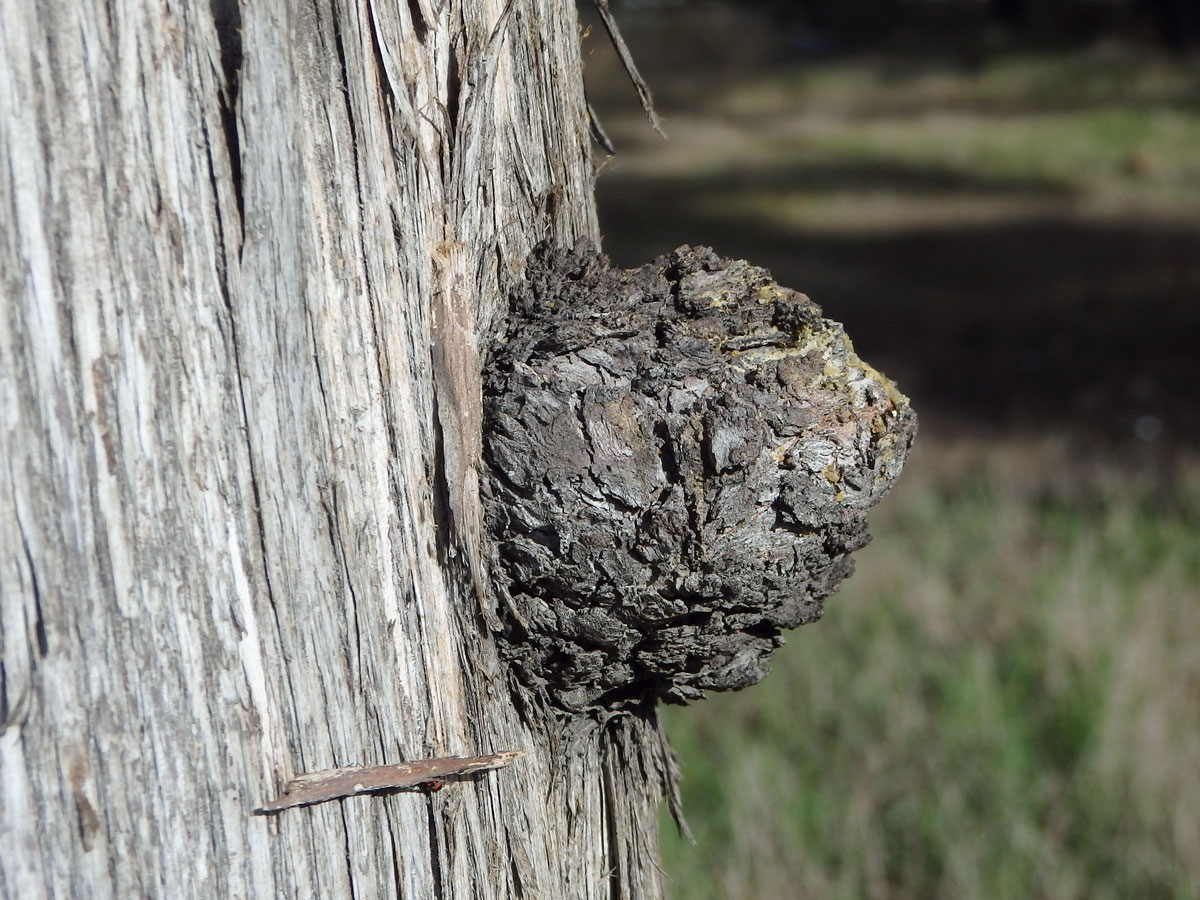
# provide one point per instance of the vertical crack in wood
(435, 850)
(227, 21)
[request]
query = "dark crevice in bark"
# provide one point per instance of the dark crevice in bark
(397, 852)
(5, 710)
(349, 858)
(39, 622)
(440, 490)
(227, 20)
(385, 82)
(389, 822)
(346, 94)
(214, 186)
(329, 503)
(612, 817)
(454, 100)
(316, 354)
(435, 855)
(514, 868)
(420, 26)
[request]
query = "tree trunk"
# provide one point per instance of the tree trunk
(238, 488)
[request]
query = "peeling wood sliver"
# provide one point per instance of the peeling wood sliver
(334, 784)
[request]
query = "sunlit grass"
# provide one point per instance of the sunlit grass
(914, 170)
(1090, 134)
(1004, 701)
(976, 81)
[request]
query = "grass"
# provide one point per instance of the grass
(1103, 131)
(838, 164)
(1002, 702)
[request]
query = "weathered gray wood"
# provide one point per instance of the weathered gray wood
(227, 553)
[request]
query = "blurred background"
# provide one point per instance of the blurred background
(1001, 201)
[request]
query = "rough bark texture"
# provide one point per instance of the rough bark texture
(231, 534)
(679, 461)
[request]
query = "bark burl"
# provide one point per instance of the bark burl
(678, 463)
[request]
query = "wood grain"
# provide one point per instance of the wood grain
(458, 384)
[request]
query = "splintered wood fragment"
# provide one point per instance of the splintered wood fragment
(333, 784)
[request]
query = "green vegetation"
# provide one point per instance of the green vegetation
(1003, 702)
(861, 144)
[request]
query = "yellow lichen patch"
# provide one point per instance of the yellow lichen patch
(769, 293)
(898, 399)
(717, 298)
(832, 474)
(760, 355)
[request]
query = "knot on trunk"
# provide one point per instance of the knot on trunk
(678, 460)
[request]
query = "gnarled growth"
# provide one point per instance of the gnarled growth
(678, 463)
